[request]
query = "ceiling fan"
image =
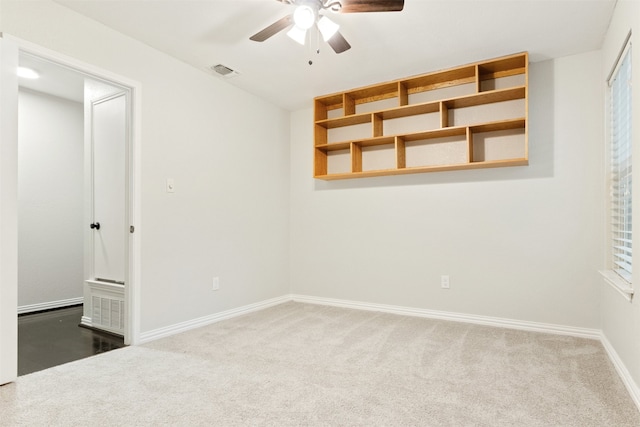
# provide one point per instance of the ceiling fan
(310, 13)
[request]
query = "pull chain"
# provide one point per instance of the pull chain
(317, 34)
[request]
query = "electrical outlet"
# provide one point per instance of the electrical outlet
(216, 284)
(444, 282)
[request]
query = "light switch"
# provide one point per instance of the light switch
(171, 187)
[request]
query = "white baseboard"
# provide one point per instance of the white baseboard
(207, 320)
(456, 317)
(86, 321)
(622, 370)
(406, 311)
(49, 305)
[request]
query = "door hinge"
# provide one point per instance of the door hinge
(131, 229)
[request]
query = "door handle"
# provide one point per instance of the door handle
(95, 225)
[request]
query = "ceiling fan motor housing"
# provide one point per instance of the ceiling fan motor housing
(307, 14)
(318, 5)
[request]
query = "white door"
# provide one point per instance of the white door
(8, 211)
(109, 140)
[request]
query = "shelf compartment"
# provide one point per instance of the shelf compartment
(376, 106)
(327, 103)
(437, 133)
(422, 148)
(374, 93)
(486, 113)
(410, 110)
(488, 97)
(355, 119)
(440, 79)
(372, 142)
(503, 67)
(349, 133)
(518, 123)
(437, 151)
(498, 141)
(334, 147)
(412, 124)
(442, 93)
(365, 142)
(337, 161)
(503, 72)
(367, 157)
(505, 82)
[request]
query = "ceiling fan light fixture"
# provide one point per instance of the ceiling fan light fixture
(298, 34)
(327, 28)
(304, 17)
(309, 13)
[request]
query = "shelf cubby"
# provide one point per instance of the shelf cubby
(468, 117)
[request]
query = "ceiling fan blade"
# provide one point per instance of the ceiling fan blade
(338, 43)
(356, 6)
(272, 29)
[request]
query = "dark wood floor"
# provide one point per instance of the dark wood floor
(52, 338)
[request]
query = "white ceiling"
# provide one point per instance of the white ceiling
(426, 36)
(63, 82)
(54, 79)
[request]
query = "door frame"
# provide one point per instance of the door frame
(8, 211)
(13, 46)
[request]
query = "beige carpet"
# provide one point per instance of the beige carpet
(306, 365)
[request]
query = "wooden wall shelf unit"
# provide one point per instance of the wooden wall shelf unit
(473, 116)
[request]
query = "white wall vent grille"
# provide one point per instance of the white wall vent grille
(224, 71)
(107, 313)
(106, 306)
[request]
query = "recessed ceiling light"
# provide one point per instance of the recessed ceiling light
(27, 73)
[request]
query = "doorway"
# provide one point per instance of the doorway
(72, 143)
(13, 51)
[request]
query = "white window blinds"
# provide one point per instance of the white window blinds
(621, 167)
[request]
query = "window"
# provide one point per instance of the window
(621, 166)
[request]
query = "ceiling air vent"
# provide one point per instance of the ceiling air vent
(224, 71)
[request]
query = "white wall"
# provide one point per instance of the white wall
(50, 198)
(519, 243)
(620, 318)
(227, 151)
